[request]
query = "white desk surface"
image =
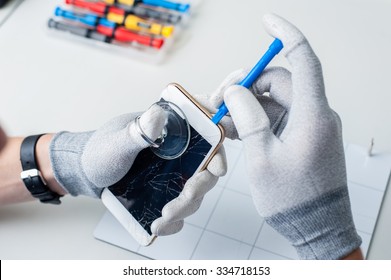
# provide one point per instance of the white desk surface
(49, 84)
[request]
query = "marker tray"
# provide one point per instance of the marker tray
(142, 31)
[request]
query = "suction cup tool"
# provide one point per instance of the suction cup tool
(175, 136)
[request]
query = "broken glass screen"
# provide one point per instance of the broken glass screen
(152, 181)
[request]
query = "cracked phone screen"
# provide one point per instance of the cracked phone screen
(152, 182)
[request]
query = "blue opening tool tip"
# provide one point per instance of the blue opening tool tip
(275, 47)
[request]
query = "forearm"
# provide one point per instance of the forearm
(12, 188)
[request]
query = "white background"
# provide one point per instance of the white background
(48, 84)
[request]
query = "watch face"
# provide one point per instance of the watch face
(38, 188)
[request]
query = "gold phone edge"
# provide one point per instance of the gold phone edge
(206, 113)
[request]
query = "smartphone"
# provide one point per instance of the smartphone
(138, 198)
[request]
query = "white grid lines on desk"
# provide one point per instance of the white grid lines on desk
(227, 226)
(368, 177)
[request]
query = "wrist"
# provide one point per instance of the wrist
(65, 151)
(355, 255)
(44, 164)
(320, 229)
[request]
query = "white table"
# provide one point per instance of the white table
(49, 84)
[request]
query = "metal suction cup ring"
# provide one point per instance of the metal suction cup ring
(144, 136)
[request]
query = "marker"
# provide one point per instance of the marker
(107, 23)
(97, 7)
(117, 15)
(88, 19)
(110, 28)
(146, 12)
(123, 9)
(79, 31)
(136, 23)
(273, 50)
(180, 7)
(121, 34)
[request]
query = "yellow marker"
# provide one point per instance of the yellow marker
(117, 18)
(125, 2)
(135, 23)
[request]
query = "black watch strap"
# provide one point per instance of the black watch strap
(31, 175)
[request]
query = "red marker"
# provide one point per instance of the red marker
(97, 7)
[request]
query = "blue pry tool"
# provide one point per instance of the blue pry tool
(273, 50)
(168, 5)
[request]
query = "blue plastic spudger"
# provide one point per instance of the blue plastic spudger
(273, 50)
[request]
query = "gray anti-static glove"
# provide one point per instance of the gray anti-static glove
(298, 179)
(84, 163)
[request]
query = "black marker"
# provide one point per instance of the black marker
(151, 13)
(79, 31)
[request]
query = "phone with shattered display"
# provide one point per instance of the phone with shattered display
(139, 197)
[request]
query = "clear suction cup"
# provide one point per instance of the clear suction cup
(175, 136)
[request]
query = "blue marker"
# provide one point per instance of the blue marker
(107, 23)
(168, 5)
(273, 50)
(88, 19)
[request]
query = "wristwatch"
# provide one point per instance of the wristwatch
(31, 176)
(3, 2)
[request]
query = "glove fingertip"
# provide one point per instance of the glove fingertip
(247, 114)
(217, 97)
(150, 124)
(218, 164)
(161, 228)
(282, 29)
(153, 121)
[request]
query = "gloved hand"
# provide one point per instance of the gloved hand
(276, 112)
(85, 163)
(298, 180)
(189, 200)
